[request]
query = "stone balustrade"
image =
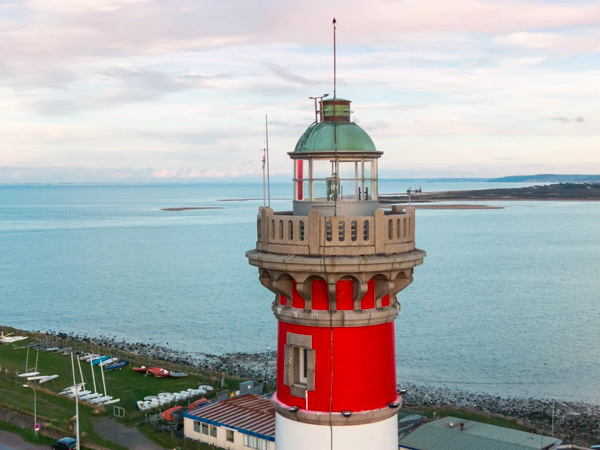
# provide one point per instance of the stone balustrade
(315, 235)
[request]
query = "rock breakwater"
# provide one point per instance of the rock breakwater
(575, 422)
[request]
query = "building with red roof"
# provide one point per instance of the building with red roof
(241, 422)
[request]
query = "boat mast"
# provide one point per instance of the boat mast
(93, 377)
(103, 381)
(76, 401)
(73, 367)
(27, 361)
(81, 373)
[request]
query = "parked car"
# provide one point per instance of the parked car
(64, 444)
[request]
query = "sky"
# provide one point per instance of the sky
(139, 91)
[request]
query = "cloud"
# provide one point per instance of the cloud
(184, 86)
(561, 119)
(194, 174)
(286, 74)
(554, 41)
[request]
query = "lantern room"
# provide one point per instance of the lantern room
(335, 164)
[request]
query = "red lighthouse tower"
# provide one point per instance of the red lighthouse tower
(335, 264)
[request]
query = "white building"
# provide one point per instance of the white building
(236, 423)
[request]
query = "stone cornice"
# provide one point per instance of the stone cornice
(346, 318)
(336, 418)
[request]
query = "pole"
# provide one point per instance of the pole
(93, 377)
(334, 23)
(76, 387)
(35, 431)
(264, 160)
(552, 417)
(103, 381)
(266, 365)
(35, 412)
(268, 169)
(80, 372)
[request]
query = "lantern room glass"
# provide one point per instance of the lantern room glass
(325, 179)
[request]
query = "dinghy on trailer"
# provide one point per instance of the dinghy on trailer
(116, 366)
(36, 377)
(108, 361)
(178, 374)
(28, 374)
(48, 378)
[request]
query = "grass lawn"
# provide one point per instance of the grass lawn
(27, 435)
(125, 384)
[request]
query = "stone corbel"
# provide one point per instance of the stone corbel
(332, 291)
(284, 286)
(266, 280)
(304, 288)
(382, 288)
(359, 290)
(402, 280)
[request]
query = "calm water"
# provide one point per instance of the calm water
(500, 292)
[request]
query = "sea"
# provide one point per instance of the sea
(507, 301)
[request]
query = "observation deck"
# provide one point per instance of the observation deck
(383, 233)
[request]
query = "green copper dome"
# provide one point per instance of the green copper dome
(330, 136)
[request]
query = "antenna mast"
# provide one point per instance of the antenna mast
(334, 23)
(267, 151)
(264, 159)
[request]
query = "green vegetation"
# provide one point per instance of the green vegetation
(168, 440)
(58, 411)
(27, 435)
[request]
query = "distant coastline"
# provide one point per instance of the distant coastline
(281, 179)
(554, 192)
(187, 208)
(459, 206)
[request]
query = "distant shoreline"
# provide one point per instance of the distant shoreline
(575, 419)
(551, 192)
(459, 206)
(187, 208)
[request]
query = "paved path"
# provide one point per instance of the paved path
(12, 441)
(129, 437)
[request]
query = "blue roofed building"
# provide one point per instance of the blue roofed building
(451, 433)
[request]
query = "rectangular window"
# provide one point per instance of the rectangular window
(348, 170)
(348, 189)
(264, 445)
(303, 365)
(213, 431)
(254, 442)
(246, 441)
(299, 368)
(205, 429)
(229, 435)
(300, 355)
(197, 427)
(322, 169)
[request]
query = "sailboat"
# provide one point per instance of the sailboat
(9, 338)
(30, 371)
(95, 394)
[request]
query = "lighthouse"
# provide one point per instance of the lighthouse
(336, 264)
